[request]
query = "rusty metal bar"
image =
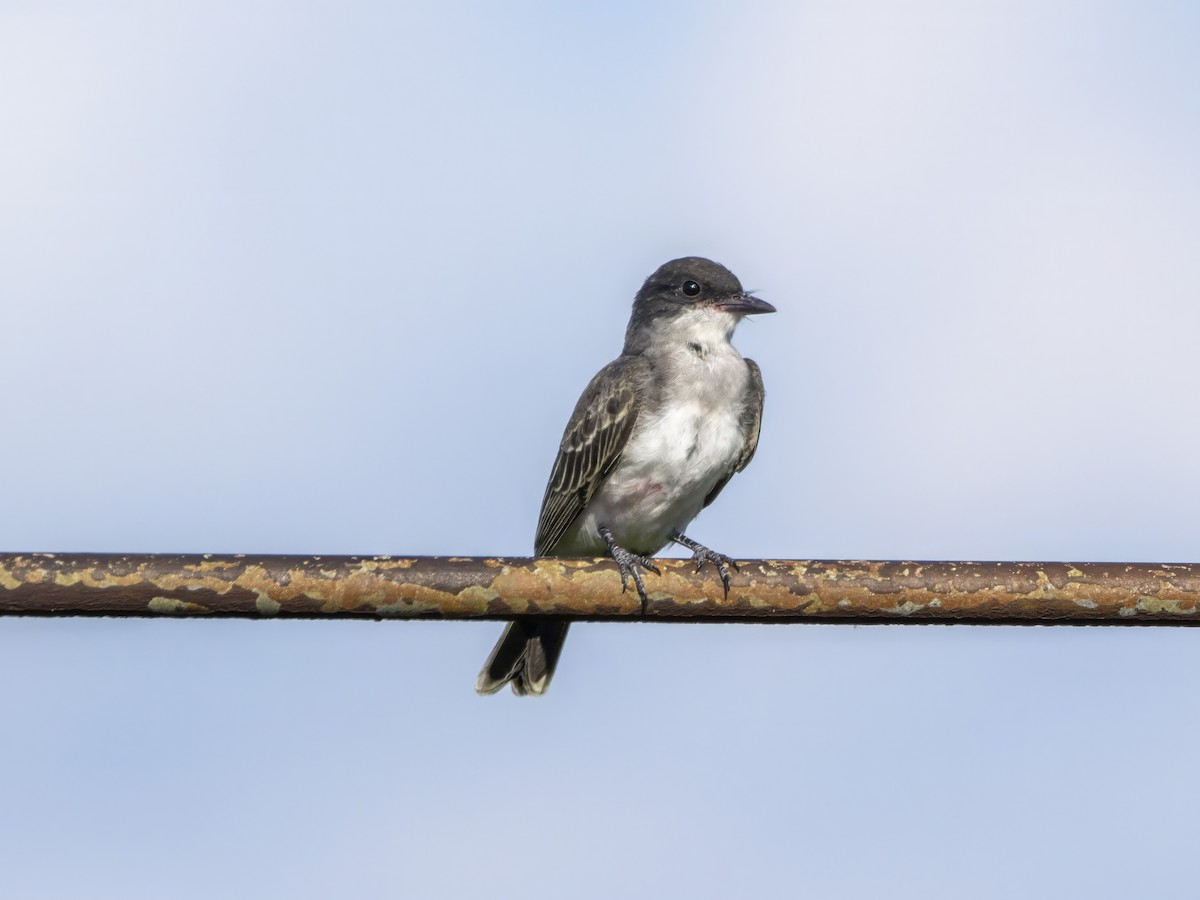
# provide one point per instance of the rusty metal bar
(384, 587)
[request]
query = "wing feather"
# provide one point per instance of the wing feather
(591, 445)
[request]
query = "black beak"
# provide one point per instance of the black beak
(745, 305)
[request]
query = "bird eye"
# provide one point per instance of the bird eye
(691, 288)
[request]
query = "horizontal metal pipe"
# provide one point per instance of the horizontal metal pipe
(385, 587)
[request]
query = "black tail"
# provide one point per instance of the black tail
(525, 656)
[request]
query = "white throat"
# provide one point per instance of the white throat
(701, 331)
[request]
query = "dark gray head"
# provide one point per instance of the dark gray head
(691, 287)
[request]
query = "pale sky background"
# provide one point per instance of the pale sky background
(301, 278)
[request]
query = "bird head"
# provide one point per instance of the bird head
(691, 289)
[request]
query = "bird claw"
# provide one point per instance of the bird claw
(720, 560)
(628, 563)
(701, 555)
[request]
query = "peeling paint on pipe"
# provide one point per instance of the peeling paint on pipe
(431, 587)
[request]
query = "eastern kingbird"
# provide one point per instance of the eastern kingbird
(653, 440)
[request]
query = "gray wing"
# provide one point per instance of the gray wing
(591, 445)
(751, 424)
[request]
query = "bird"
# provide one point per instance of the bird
(654, 438)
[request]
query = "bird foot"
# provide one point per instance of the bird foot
(629, 562)
(701, 555)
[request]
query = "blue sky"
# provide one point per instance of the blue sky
(329, 279)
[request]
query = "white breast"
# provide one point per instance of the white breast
(676, 455)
